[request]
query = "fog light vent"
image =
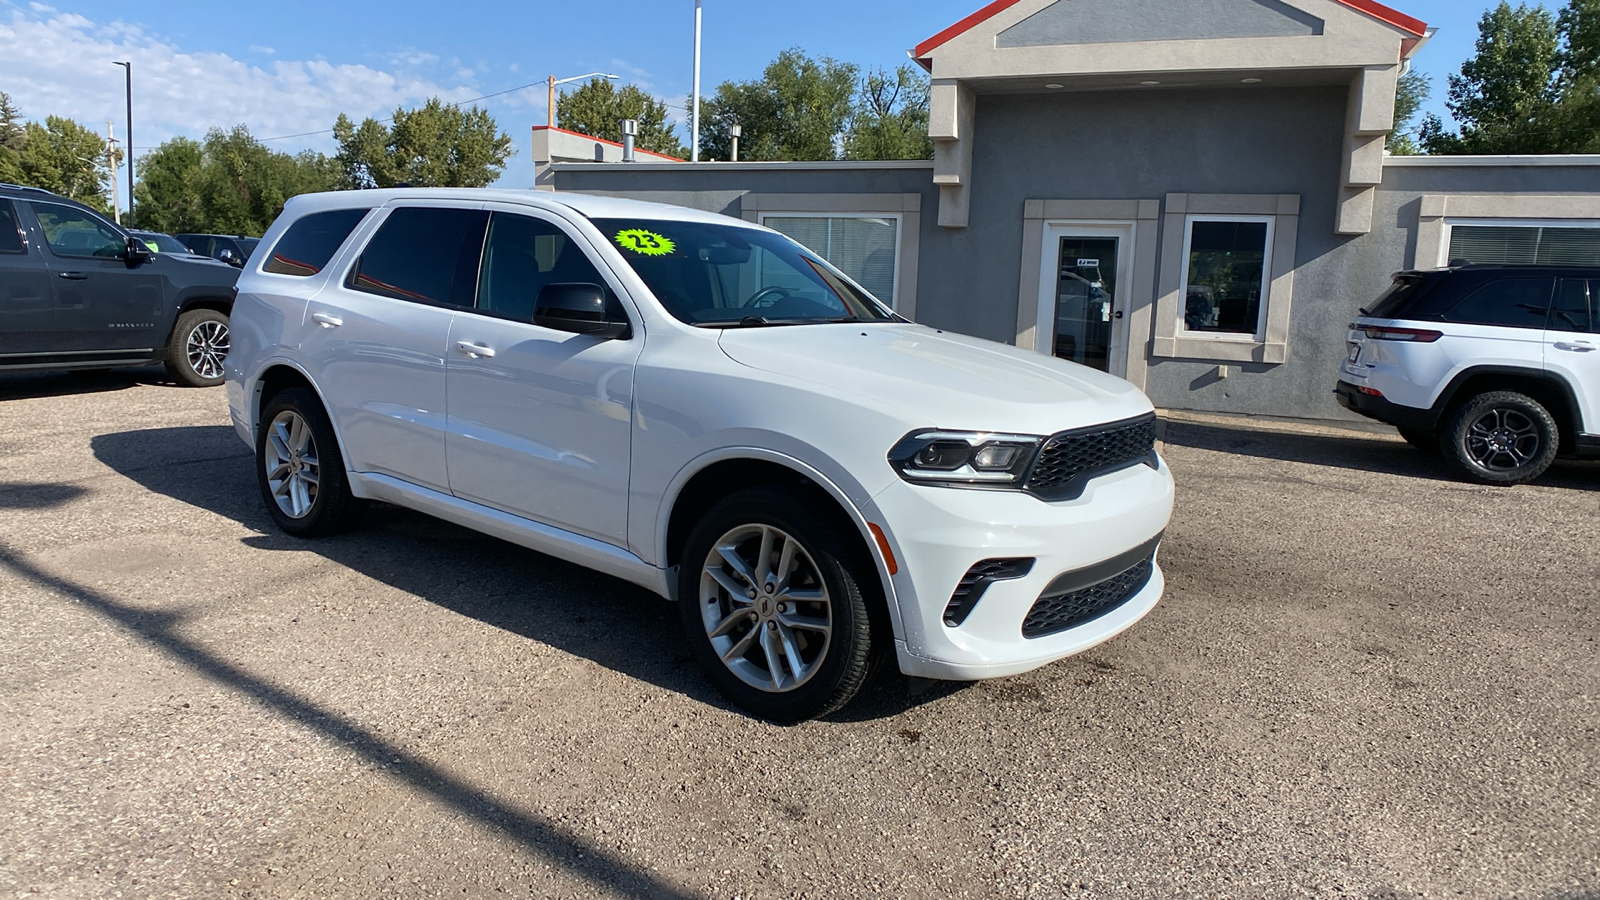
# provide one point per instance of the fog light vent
(977, 580)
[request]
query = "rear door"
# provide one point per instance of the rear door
(1572, 345)
(26, 325)
(102, 301)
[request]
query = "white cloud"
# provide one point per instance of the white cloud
(267, 51)
(60, 64)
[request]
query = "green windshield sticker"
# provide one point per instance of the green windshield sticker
(644, 242)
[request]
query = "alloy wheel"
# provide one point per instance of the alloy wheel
(765, 608)
(207, 347)
(294, 473)
(1503, 439)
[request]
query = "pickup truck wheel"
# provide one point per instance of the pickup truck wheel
(300, 470)
(198, 348)
(1502, 437)
(1425, 441)
(771, 600)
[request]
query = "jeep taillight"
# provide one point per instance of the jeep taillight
(1413, 335)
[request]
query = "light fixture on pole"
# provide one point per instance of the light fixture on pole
(551, 120)
(127, 135)
(694, 114)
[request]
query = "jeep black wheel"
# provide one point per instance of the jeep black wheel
(1502, 438)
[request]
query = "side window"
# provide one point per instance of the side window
(423, 254)
(1511, 302)
(10, 230)
(200, 245)
(522, 255)
(73, 232)
(309, 243)
(1573, 307)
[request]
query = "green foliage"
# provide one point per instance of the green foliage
(11, 133)
(1413, 90)
(597, 107)
(66, 157)
(799, 109)
(1530, 88)
(434, 145)
(890, 120)
(230, 184)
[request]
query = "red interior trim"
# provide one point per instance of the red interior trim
(1370, 7)
(590, 137)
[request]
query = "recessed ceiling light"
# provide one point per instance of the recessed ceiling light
(1252, 81)
(1054, 87)
(1149, 83)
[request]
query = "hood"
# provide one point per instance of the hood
(940, 380)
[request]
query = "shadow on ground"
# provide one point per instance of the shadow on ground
(27, 385)
(1375, 453)
(579, 611)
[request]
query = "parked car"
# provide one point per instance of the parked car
(232, 249)
(162, 243)
(703, 407)
(77, 292)
(1493, 366)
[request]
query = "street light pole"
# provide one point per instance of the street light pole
(550, 120)
(694, 115)
(127, 136)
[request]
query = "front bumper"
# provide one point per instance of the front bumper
(938, 534)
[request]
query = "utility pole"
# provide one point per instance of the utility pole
(128, 135)
(694, 154)
(111, 161)
(551, 119)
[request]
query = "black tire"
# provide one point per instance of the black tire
(1501, 437)
(1426, 441)
(841, 660)
(331, 507)
(198, 348)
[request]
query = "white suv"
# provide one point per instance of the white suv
(1494, 366)
(703, 407)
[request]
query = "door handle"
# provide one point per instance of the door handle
(474, 350)
(73, 276)
(1117, 314)
(1575, 348)
(327, 321)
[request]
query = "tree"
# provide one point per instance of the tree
(11, 135)
(434, 145)
(1531, 87)
(169, 189)
(64, 156)
(890, 119)
(231, 183)
(799, 109)
(1413, 90)
(597, 107)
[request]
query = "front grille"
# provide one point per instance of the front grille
(977, 580)
(1070, 459)
(1057, 613)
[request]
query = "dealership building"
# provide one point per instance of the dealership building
(1191, 194)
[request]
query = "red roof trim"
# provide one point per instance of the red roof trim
(1370, 7)
(590, 137)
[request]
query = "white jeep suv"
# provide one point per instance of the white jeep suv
(1494, 366)
(703, 407)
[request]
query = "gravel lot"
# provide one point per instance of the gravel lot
(1365, 680)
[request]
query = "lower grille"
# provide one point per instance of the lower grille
(977, 580)
(1055, 613)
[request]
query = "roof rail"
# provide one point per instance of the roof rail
(25, 187)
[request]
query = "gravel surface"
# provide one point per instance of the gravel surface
(1365, 680)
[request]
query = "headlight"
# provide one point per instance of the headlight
(965, 458)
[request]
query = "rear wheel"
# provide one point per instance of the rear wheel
(299, 468)
(1502, 437)
(198, 348)
(771, 596)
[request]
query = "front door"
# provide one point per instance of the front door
(103, 301)
(1082, 318)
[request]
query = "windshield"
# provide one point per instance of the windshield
(722, 276)
(248, 245)
(161, 243)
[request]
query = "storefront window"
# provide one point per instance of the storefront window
(1226, 281)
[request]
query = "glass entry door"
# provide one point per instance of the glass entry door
(1085, 299)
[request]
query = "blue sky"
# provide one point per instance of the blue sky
(291, 66)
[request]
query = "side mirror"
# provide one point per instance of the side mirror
(579, 309)
(137, 253)
(231, 258)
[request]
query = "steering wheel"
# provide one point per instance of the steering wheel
(761, 300)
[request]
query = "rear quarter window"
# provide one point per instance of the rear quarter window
(1509, 302)
(312, 241)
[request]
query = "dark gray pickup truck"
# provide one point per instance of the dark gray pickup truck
(77, 292)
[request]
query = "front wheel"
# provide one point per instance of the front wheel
(198, 348)
(771, 597)
(1502, 437)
